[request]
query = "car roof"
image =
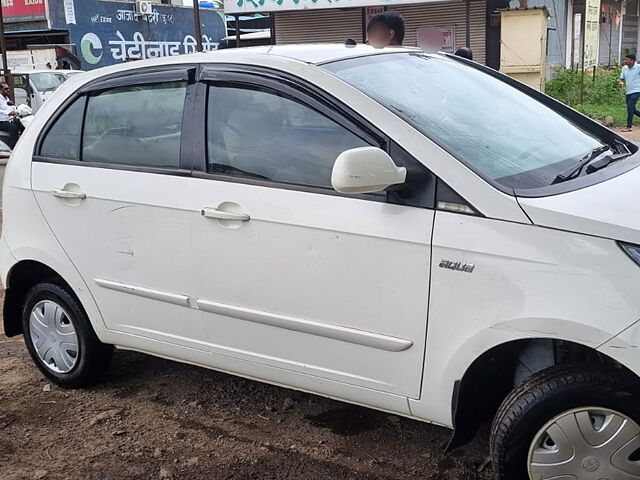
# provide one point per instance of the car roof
(314, 54)
(317, 53)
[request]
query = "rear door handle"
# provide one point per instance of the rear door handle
(221, 215)
(60, 193)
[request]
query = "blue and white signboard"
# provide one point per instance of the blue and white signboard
(107, 33)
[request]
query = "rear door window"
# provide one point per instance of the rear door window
(63, 138)
(138, 126)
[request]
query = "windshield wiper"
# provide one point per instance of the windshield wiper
(576, 169)
(605, 162)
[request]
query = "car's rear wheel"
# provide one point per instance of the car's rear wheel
(60, 338)
(568, 424)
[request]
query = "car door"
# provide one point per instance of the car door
(110, 178)
(289, 274)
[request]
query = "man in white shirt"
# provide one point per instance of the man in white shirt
(9, 121)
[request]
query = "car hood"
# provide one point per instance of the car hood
(609, 209)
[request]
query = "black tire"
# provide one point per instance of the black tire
(548, 394)
(93, 357)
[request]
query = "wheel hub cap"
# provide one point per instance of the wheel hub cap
(586, 444)
(53, 336)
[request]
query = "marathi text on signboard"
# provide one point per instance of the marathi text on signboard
(110, 32)
(138, 47)
(437, 39)
(591, 33)
(23, 10)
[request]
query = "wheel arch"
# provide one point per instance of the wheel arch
(20, 278)
(491, 376)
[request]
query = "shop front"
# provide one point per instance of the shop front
(459, 23)
(26, 25)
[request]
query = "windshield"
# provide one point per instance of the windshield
(494, 128)
(46, 82)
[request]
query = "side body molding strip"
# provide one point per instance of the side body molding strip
(336, 332)
(345, 334)
(181, 300)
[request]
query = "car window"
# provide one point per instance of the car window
(46, 82)
(136, 125)
(63, 138)
(19, 81)
(263, 135)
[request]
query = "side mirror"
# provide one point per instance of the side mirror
(365, 170)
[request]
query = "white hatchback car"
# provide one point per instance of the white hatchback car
(414, 233)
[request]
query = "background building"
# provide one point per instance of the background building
(619, 32)
(94, 33)
(309, 21)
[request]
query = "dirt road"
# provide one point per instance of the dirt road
(633, 136)
(156, 419)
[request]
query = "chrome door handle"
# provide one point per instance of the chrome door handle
(68, 195)
(221, 215)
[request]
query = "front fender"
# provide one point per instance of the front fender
(625, 348)
(444, 370)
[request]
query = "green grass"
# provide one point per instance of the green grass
(602, 97)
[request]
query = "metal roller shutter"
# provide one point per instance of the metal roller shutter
(317, 26)
(446, 15)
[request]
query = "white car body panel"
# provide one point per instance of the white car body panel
(608, 209)
(35, 241)
(528, 282)
(256, 323)
(284, 262)
(625, 348)
(316, 258)
(121, 221)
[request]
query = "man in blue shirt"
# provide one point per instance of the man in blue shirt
(630, 78)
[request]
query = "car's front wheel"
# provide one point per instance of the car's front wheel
(60, 338)
(569, 423)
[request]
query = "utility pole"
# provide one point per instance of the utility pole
(198, 24)
(6, 71)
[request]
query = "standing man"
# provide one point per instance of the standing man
(385, 30)
(630, 78)
(9, 121)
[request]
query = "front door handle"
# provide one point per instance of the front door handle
(221, 215)
(61, 193)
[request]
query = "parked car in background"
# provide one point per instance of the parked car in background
(410, 232)
(34, 87)
(67, 74)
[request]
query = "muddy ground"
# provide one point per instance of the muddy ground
(156, 419)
